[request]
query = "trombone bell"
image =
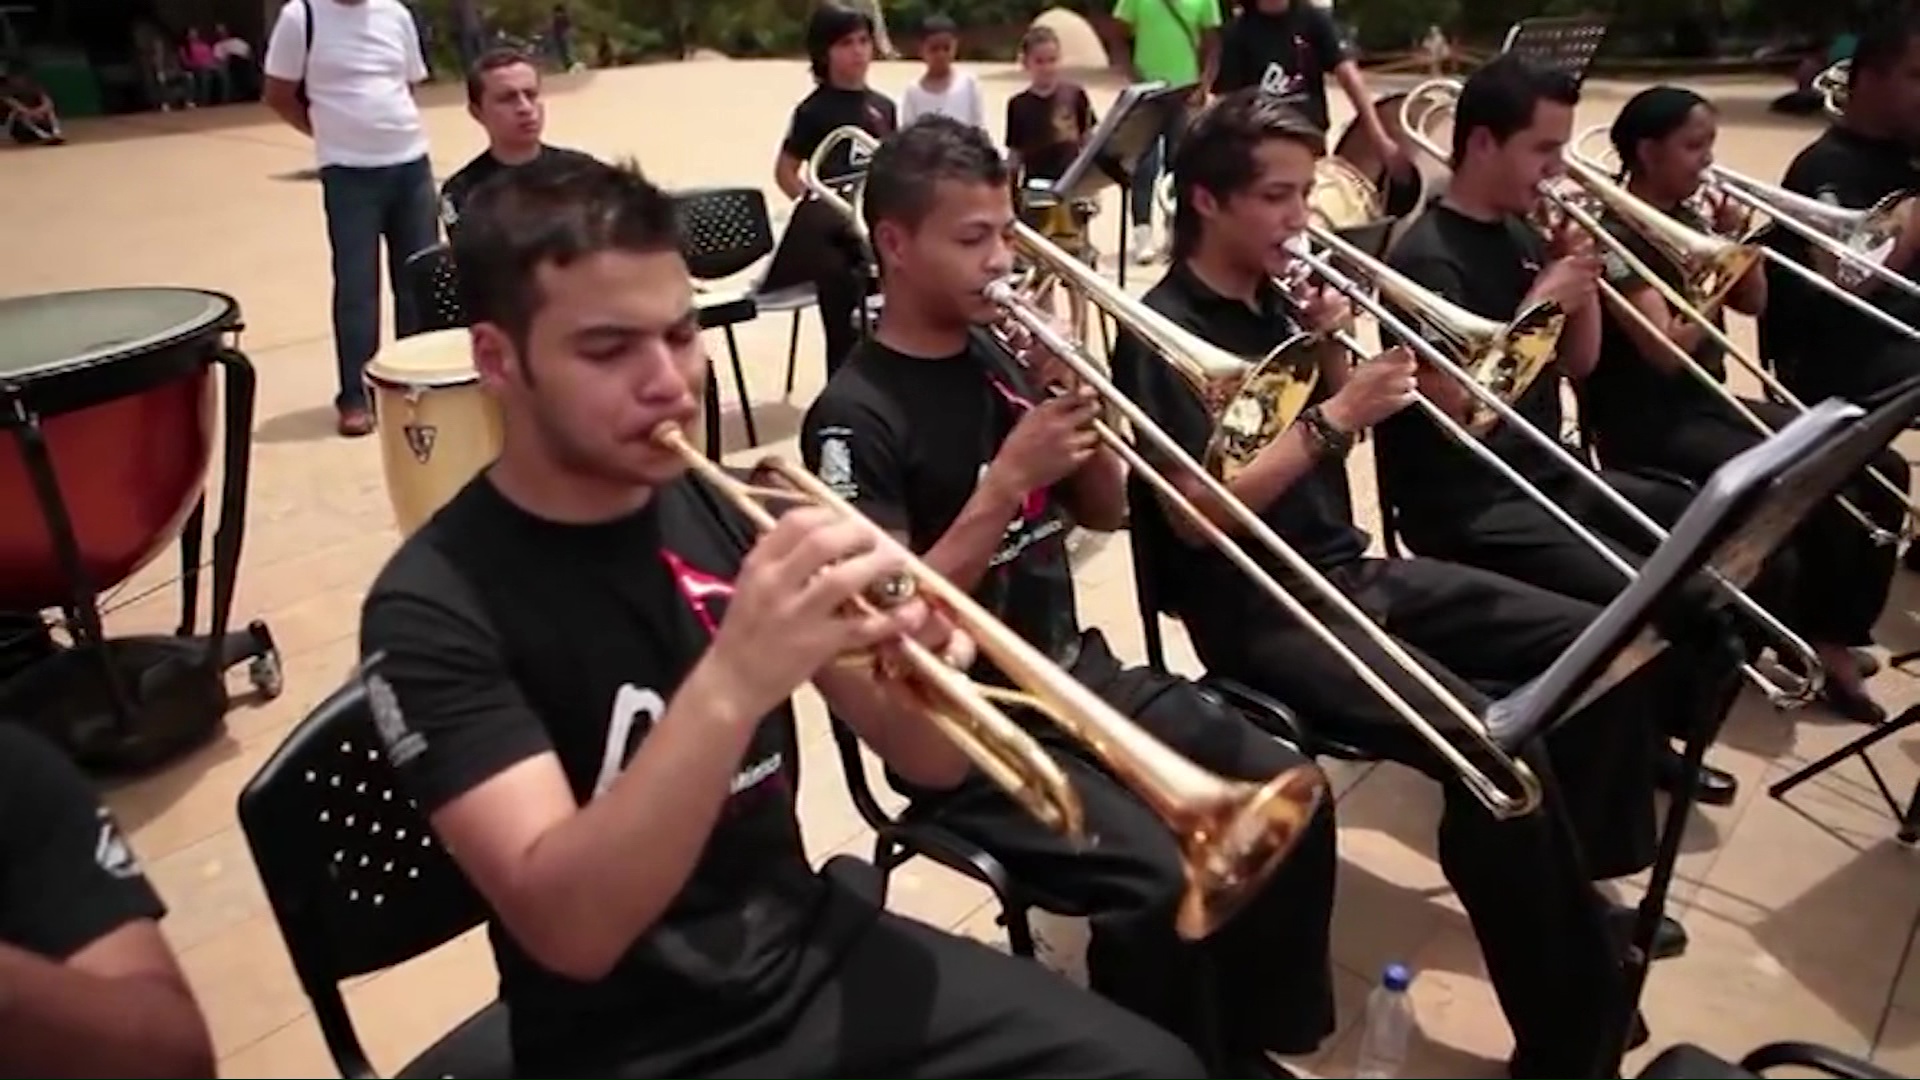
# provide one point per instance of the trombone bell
(1259, 409)
(1710, 266)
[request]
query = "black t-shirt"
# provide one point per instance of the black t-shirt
(828, 108)
(906, 440)
(1315, 515)
(67, 875)
(1288, 56)
(1803, 326)
(461, 185)
(1047, 130)
(1627, 402)
(506, 637)
(1486, 267)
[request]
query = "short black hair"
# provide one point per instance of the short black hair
(910, 164)
(1501, 97)
(1217, 153)
(555, 210)
(1883, 41)
(493, 60)
(1650, 115)
(938, 23)
(829, 23)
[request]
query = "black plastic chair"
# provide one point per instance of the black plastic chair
(358, 883)
(897, 840)
(1687, 1062)
(431, 282)
(723, 231)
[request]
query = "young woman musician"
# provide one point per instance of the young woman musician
(1644, 410)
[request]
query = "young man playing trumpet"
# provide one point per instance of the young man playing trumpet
(1548, 936)
(587, 665)
(1645, 411)
(1476, 248)
(933, 431)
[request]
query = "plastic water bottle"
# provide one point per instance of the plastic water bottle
(1383, 1043)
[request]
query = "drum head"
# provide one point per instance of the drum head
(42, 336)
(439, 358)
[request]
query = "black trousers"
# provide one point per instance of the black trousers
(1526, 883)
(907, 1000)
(1269, 968)
(1856, 371)
(840, 284)
(1842, 576)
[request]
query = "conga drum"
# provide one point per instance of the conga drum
(438, 429)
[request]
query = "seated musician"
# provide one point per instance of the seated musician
(1822, 348)
(27, 112)
(931, 431)
(1548, 935)
(591, 660)
(839, 50)
(1646, 411)
(1475, 247)
(88, 986)
(503, 94)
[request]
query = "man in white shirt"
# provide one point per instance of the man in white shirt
(342, 71)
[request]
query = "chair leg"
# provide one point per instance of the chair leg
(710, 409)
(740, 389)
(1019, 930)
(793, 353)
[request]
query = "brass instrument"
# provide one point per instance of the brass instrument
(1272, 389)
(1232, 833)
(1831, 85)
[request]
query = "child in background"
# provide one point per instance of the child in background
(942, 88)
(1047, 126)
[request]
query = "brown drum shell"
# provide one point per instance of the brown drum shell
(130, 440)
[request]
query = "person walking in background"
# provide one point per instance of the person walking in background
(342, 71)
(562, 33)
(1176, 42)
(942, 88)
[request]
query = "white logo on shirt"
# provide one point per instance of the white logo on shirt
(403, 744)
(858, 154)
(836, 467)
(1276, 82)
(111, 851)
(631, 707)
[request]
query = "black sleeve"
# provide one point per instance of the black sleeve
(1166, 398)
(1822, 172)
(453, 198)
(803, 132)
(889, 114)
(1324, 39)
(67, 875)
(460, 718)
(1019, 138)
(856, 450)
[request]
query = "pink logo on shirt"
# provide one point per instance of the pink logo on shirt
(698, 587)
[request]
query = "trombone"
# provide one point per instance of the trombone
(1713, 267)
(1232, 833)
(1255, 401)
(1832, 86)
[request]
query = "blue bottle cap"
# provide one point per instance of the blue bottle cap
(1396, 977)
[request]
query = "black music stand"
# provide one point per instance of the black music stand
(1114, 149)
(1743, 513)
(1566, 44)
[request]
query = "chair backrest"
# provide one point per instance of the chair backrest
(431, 281)
(723, 230)
(355, 878)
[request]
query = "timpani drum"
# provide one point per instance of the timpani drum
(438, 428)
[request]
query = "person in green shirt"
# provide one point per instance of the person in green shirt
(1176, 42)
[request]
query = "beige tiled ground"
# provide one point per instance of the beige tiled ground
(1801, 915)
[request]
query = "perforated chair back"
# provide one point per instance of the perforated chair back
(435, 289)
(723, 230)
(354, 876)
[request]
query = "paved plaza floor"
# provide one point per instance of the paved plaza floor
(1801, 913)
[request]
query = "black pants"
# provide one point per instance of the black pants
(1842, 576)
(909, 1000)
(1526, 883)
(841, 286)
(1271, 979)
(1854, 370)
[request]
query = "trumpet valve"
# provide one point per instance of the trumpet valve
(1241, 841)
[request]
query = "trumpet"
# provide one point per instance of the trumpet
(1267, 395)
(1233, 834)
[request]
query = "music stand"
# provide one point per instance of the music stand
(1565, 44)
(1114, 149)
(1742, 515)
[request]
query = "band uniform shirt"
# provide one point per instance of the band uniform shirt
(1486, 267)
(1048, 130)
(507, 636)
(1315, 515)
(67, 874)
(1627, 400)
(1803, 327)
(484, 167)
(906, 441)
(828, 108)
(1288, 56)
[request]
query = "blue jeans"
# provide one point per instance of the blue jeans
(365, 206)
(1147, 174)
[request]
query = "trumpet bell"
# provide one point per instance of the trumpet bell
(1253, 410)
(1235, 846)
(1508, 360)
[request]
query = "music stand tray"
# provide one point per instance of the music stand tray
(1741, 516)
(1565, 44)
